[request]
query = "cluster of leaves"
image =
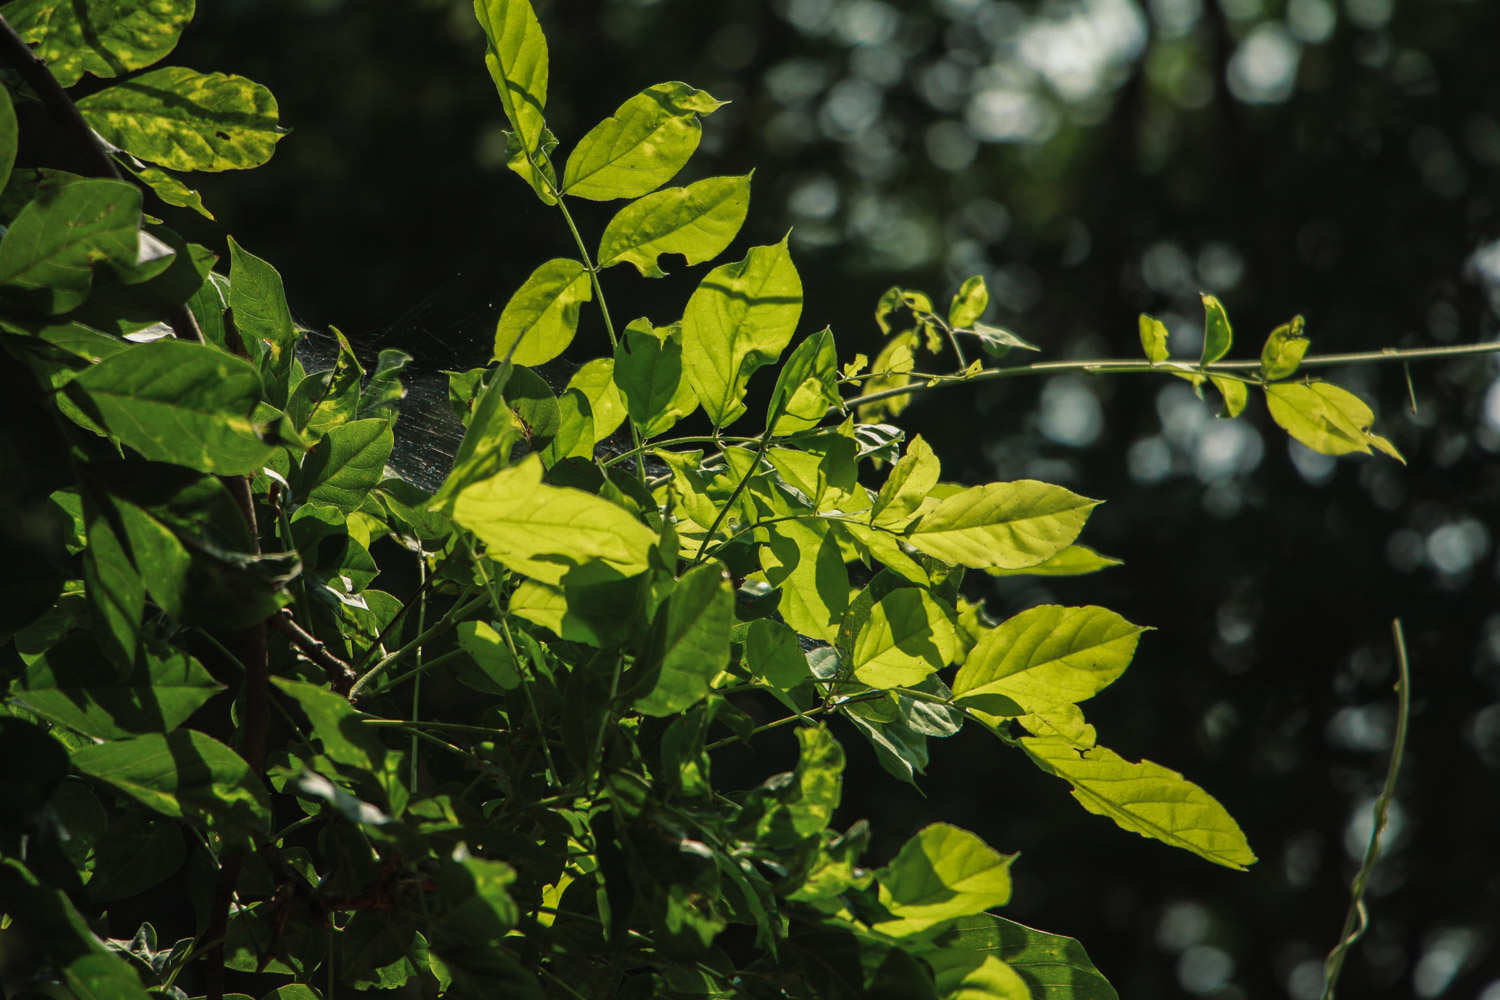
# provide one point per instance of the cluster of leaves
(331, 733)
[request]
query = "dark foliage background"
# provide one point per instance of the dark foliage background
(1093, 158)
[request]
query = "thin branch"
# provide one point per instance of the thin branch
(1356, 920)
(1105, 366)
(340, 674)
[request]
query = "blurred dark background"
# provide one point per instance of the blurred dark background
(1092, 158)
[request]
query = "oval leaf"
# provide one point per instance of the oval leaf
(1217, 336)
(940, 873)
(641, 146)
(1282, 354)
(649, 374)
(516, 56)
(697, 221)
(970, 302)
(541, 319)
(1049, 655)
(690, 644)
(1153, 339)
(906, 637)
(102, 37)
(186, 120)
(1002, 525)
(51, 247)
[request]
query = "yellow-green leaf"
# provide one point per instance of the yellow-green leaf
(1001, 525)
(641, 146)
(969, 303)
(910, 482)
(697, 221)
(516, 55)
(807, 564)
(1153, 339)
(1217, 335)
(102, 37)
(1145, 798)
(1283, 350)
(596, 380)
(52, 245)
(541, 318)
(1075, 560)
(1234, 393)
(649, 374)
(1325, 418)
(690, 640)
(905, 637)
(186, 120)
(940, 873)
(1049, 654)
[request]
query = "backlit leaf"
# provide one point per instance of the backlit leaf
(649, 374)
(1049, 654)
(806, 386)
(1001, 525)
(183, 774)
(1051, 965)
(1153, 339)
(1145, 798)
(691, 641)
(346, 464)
(170, 188)
(1282, 354)
(697, 221)
(641, 146)
(186, 120)
(1325, 418)
(541, 318)
(789, 808)
(910, 482)
(1075, 560)
(969, 303)
(596, 381)
(940, 873)
(740, 317)
(1234, 393)
(972, 975)
(261, 316)
(807, 564)
(487, 648)
(102, 37)
(773, 653)
(543, 531)
(906, 637)
(1217, 336)
(52, 245)
(516, 56)
(179, 402)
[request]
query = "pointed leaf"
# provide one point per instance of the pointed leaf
(1145, 798)
(997, 341)
(540, 320)
(910, 482)
(179, 402)
(1282, 354)
(969, 303)
(184, 774)
(262, 317)
(973, 975)
(185, 120)
(741, 316)
(516, 56)
(1075, 560)
(575, 430)
(773, 653)
(349, 461)
(940, 873)
(543, 531)
(102, 37)
(1234, 393)
(806, 387)
(1051, 965)
(641, 146)
(1324, 417)
(691, 642)
(807, 564)
(497, 664)
(1001, 525)
(697, 221)
(338, 728)
(649, 374)
(906, 637)
(52, 245)
(596, 381)
(169, 188)
(1048, 655)
(1154, 339)
(115, 591)
(1217, 336)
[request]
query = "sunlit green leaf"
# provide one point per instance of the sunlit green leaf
(102, 37)
(491, 431)
(910, 482)
(1064, 721)
(806, 563)
(541, 318)
(906, 637)
(940, 873)
(178, 402)
(649, 374)
(10, 136)
(542, 531)
(185, 120)
(773, 653)
(969, 303)
(641, 146)
(1234, 393)
(346, 464)
(1154, 339)
(1282, 354)
(52, 245)
(1051, 965)
(575, 431)
(691, 641)
(973, 975)
(496, 663)
(740, 317)
(889, 373)
(516, 55)
(170, 188)
(1001, 525)
(791, 807)
(184, 774)
(1217, 336)
(1049, 654)
(1325, 418)
(1145, 798)
(806, 386)
(697, 221)
(262, 317)
(1075, 560)
(596, 381)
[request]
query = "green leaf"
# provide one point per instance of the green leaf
(185, 775)
(641, 146)
(697, 221)
(1234, 393)
(910, 482)
(168, 187)
(74, 686)
(649, 374)
(543, 531)
(492, 431)
(498, 671)
(970, 302)
(116, 594)
(1325, 418)
(997, 341)
(540, 320)
(691, 641)
(10, 136)
(1051, 965)
(773, 653)
(789, 808)
(899, 749)
(596, 381)
(52, 245)
(185, 120)
(972, 975)
(575, 431)
(1049, 654)
(1001, 525)
(805, 562)
(806, 387)
(102, 37)
(262, 317)
(516, 56)
(346, 464)
(1217, 336)
(740, 317)
(906, 637)
(1282, 354)
(1145, 798)
(940, 873)
(1153, 339)
(338, 727)
(1075, 560)
(178, 402)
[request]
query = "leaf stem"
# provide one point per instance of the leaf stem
(1114, 366)
(457, 611)
(1356, 919)
(739, 487)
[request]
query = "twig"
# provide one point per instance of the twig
(340, 674)
(1356, 920)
